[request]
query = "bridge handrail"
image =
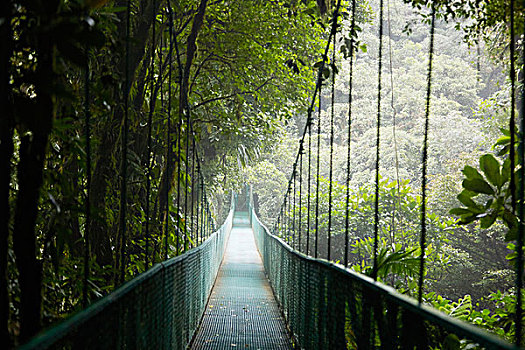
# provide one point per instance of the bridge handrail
(159, 309)
(327, 306)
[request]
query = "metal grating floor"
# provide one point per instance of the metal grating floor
(242, 312)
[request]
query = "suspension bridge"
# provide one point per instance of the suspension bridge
(246, 288)
(244, 285)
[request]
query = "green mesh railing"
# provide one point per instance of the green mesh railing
(159, 309)
(329, 307)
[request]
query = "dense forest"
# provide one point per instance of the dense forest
(126, 125)
(471, 273)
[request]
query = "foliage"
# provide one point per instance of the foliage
(469, 102)
(233, 65)
(397, 263)
(487, 196)
(499, 318)
(398, 245)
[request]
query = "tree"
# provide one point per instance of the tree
(231, 66)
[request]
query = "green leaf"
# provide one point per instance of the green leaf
(488, 220)
(505, 170)
(465, 198)
(467, 219)
(504, 150)
(459, 211)
(471, 173)
(490, 167)
(504, 140)
(511, 235)
(505, 132)
(478, 186)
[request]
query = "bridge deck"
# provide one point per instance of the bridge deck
(242, 311)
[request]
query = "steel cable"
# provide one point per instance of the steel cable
(516, 197)
(149, 142)
(168, 135)
(378, 136)
(124, 151)
(424, 159)
(87, 204)
(318, 176)
(349, 136)
(330, 176)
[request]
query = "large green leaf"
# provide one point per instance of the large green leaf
(465, 198)
(504, 140)
(478, 186)
(471, 173)
(460, 211)
(467, 219)
(488, 219)
(491, 168)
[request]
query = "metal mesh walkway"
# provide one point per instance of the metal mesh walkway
(242, 311)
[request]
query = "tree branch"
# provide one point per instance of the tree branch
(232, 95)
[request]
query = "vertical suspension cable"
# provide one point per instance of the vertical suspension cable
(179, 135)
(187, 180)
(282, 233)
(208, 218)
(192, 200)
(168, 135)
(277, 226)
(207, 214)
(318, 176)
(330, 176)
(478, 43)
(198, 201)
(378, 135)
(293, 207)
(513, 187)
(204, 210)
(124, 151)
(204, 219)
(87, 132)
(349, 136)
(396, 203)
(300, 195)
(149, 144)
(308, 191)
(521, 213)
(204, 213)
(282, 222)
(282, 230)
(425, 156)
(203, 234)
(157, 244)
(288, 213)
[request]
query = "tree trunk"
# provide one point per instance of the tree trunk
(190, 53)
(6, 151)
(30, 177)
